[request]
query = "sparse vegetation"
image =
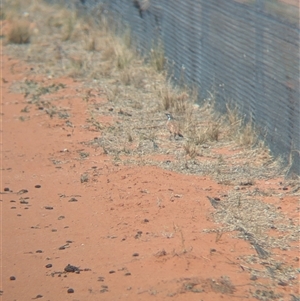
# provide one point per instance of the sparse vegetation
(86, 49)
(95, 123)
(34, 93)
(137, 96)
(252, 220)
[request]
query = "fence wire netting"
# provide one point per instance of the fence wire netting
(245, 51)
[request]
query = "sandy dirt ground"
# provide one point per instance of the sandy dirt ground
(125, 232)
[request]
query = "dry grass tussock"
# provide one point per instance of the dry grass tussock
(157, 58)
(19, 33)
(66, 42)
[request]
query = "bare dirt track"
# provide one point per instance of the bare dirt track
(134, 232)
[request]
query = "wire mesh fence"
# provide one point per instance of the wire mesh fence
(245, 51)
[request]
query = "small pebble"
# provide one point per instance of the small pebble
(37, 186)
(70, 291)
(12, 278)
(104, 289)
(38, 251)
(127, 274)
(71, 269)
(6, 189)
(146, 220)
(38, 296)
(49, 265)
(135, 254)
(73, 200)
(48, 207)
(111, 272)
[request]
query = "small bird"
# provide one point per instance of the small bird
(173, 126)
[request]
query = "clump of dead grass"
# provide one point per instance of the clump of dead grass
(19, 32)
(190, 148)
(175, 100)
(90, 43)
(69, 21)
(243, 133)
(123, 55)
(157, 58)
(204, 134)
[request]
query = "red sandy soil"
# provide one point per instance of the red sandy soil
(135, 232)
